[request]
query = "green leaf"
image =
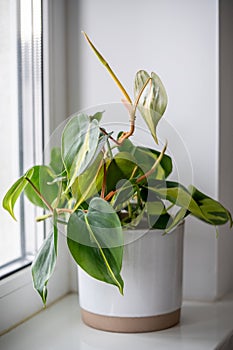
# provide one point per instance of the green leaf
(176, 194)
(136, 216)
(180, 196)
(179, 217)
(89, 183)
(122, 167)
(14, 192)
(125, 191)
(45, 262)
(42, 179)
(101, 143)
(158, 217)
(95, 240)
(153, 101)
(198, 204)
(213, 211)
(133, 214)
(80, 139)
(146, 157)
(98, 116)
(56, 163)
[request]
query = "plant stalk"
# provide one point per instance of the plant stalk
(39, 194)
(111, 138)
(64, 210)
(158, 160)
(43, 217)
(132, 112)
(104, 181)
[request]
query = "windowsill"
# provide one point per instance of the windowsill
(203, 326)
(15, 266)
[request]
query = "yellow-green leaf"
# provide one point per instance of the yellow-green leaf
(14, 192)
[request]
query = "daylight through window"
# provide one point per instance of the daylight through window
(21, 124)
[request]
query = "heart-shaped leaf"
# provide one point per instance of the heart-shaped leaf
(42, 179)
(80, 139)
(146, 157)
(95, 240)
(153, 101)
(122, 167)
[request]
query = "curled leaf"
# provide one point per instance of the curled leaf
(80, 140)
(153, 101)
(14, 192)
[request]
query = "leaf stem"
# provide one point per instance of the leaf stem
(110, 195)
(139, 179)
(111, 138)
(39, 194)
(104, 181)
(109, 150)
(158, 160)
(43, 217)
(64, 210)
(132, 113)
(59, 195)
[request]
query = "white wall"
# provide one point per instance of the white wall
(178, 40)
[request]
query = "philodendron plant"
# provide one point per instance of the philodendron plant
(97, 185)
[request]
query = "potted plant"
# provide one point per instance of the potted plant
(117, 204)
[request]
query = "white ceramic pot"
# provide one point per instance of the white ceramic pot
(152, 274)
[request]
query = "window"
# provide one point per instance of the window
(35, 94)
(21, 124)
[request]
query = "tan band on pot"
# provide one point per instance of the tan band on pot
(131, 324)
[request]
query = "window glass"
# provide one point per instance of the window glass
(21, 124)
(9, 156)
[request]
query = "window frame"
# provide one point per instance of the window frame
(18, 299)
(29, 108)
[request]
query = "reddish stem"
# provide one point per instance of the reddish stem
(104, 182)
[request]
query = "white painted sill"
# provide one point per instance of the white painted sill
(203, 326)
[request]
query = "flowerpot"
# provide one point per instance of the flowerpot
(152, 274)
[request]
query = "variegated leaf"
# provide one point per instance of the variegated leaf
(80, 140)
(153, 101)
